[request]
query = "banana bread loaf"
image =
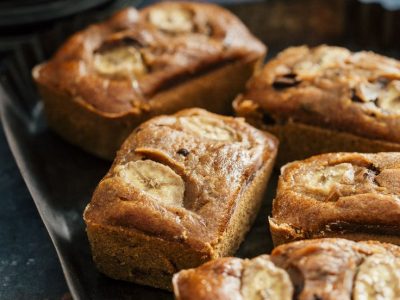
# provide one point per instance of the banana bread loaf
(110, 77)
(326, 269)
(183, 189)
(326, 99)
(350, 195)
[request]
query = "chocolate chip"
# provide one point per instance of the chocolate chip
(285, 81)
(183, 152)
(354, 97)
(317, 297)
(129, 41)
(374, 169)
(116, 43)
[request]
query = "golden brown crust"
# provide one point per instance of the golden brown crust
(350, 194)
(327, 87)
(216, 169)
(103, 135)
(318, 269)
(122, 68)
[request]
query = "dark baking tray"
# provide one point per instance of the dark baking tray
(61, 177)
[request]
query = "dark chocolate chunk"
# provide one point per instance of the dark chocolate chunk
(116, 43)
(285, 81)
(374, 169)
(354, 97)
(183, 152)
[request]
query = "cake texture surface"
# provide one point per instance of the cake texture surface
(349, 195)
(334, 99)
(327, 269)
(182, 190)
(110, 77)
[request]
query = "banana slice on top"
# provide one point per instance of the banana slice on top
(209, 128)
(120, 62)
(172, 20)
(367, 91)
(323, 59)
(389, 100)
(155, 179)
(262, 280)
(323, 180)
(378, 278)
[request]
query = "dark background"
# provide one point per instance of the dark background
(29, 267)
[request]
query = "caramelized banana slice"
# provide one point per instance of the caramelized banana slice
(262, 280)
(325, 58)
(324, 179)
(120, 62)
(155, 179)
(378, 278)
(173, 20)
(367, 91)
(389, 100)
(209, 128)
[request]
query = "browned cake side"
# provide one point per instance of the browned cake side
(328, 269)
(326, 99)
(108, 78)
(183, 189)
(348, 195)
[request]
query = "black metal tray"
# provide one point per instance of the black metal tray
(61, 177)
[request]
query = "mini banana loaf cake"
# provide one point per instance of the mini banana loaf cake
(107, 79)
(350, 195)
(326, 99)
(183, 189)
(325, 269)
